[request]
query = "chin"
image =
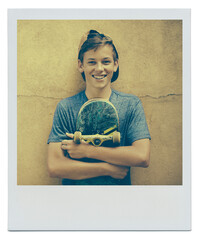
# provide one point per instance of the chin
(102, 83)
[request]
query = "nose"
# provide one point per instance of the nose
(99, 67)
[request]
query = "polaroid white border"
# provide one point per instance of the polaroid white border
(98, 207)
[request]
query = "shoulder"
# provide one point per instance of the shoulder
(125, 97)
(72, 102)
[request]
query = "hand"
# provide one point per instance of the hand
(116, 171)
(75, 151)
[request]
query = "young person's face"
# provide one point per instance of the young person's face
(98, 67)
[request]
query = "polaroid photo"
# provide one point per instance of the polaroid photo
(130, 70)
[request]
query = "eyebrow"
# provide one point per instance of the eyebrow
(103, 58)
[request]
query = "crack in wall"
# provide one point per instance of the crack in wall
(145, 96)
(39, 96)
(164, 96)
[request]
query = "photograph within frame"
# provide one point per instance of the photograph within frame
(129, 193)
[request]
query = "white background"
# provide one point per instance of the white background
(4, 126)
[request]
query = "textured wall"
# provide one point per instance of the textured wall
(150, 55)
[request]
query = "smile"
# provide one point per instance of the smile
(99, 77)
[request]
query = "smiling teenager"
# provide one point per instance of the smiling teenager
(85, 164)
(98, 67)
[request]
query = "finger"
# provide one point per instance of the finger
(83, 141)
(67, 141)
(64, 147)
(64, 142)
(70, 135)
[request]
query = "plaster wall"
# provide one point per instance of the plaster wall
(150, 60)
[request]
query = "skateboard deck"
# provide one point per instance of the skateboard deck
(98, 123)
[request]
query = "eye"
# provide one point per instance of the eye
(106, 62)
(91, 62)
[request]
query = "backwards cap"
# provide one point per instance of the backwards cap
(85, 37)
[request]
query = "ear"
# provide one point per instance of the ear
(116, 64)
(80, 66)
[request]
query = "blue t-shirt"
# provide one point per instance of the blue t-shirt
(132, 125)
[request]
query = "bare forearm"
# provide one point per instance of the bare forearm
(137, 154)
(76, 170)
(124, 156)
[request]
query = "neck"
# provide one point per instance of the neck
(101, 93)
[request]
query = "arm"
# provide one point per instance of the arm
(136, 155)
(64, 167)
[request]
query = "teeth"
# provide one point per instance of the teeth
(99, 77)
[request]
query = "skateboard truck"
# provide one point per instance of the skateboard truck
(97, 139)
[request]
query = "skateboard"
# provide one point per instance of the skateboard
(98, 124)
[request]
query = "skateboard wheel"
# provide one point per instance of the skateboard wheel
(116, 138)
(77, 137)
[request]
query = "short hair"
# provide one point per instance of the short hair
(93, 40)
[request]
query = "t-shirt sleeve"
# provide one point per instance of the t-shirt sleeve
(137, 128)
(60, 125)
